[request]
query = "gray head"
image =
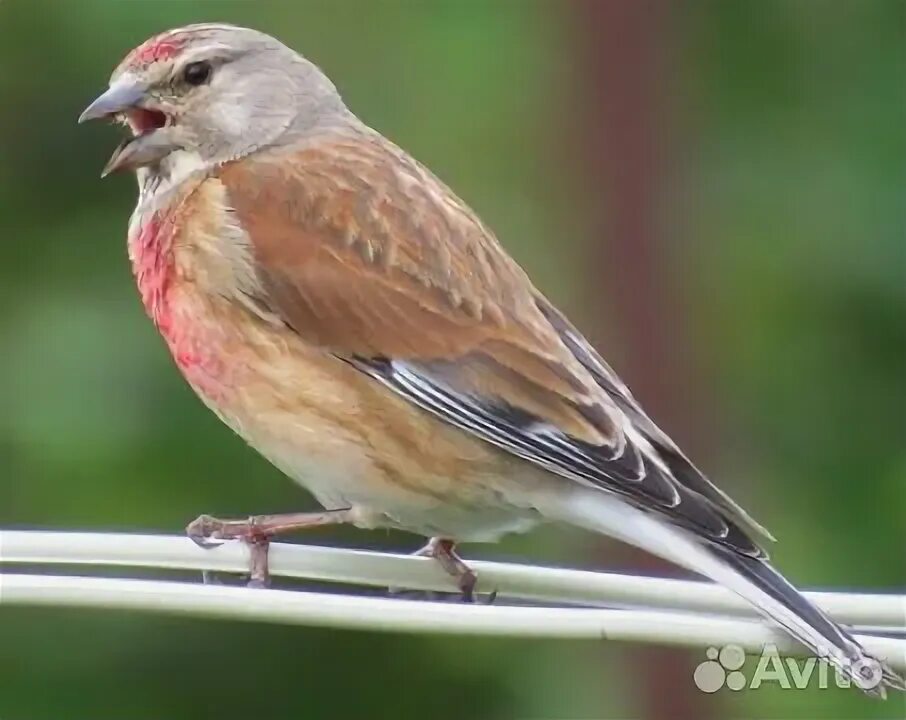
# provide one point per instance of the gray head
(211, 93)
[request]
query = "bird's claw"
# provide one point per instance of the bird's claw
(209, 532)
(476, 598)
(206, 543)
(205, 531)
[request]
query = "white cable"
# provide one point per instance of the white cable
(392, 615)
(385, 570)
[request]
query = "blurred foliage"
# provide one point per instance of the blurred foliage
(787, 235)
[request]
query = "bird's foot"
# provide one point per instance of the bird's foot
(444, 552)
(256, 532)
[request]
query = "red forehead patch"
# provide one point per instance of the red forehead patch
(157, 48)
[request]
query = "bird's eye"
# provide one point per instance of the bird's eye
(197, 73)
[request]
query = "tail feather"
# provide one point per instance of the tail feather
(750, 577)
(822, 634)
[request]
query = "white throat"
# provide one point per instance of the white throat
(156, 184)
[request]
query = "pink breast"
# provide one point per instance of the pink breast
(181, 315)
(152, 265)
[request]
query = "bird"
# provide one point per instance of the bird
(352, 319)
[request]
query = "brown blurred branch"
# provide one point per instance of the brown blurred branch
(625, 52)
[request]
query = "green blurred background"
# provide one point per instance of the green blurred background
(714, 191)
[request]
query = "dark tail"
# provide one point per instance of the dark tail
(823, 635)
(748, 576)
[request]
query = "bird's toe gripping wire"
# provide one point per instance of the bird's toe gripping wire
(256, 531)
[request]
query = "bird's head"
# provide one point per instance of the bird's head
(211, 93)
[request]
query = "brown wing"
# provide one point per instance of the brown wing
(364, 253)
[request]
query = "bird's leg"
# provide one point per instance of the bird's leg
(256, 531)
(444, 551)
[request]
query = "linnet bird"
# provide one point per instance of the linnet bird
(343, 311)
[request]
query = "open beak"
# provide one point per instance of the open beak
(126, 100)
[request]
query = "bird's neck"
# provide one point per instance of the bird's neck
(158, 183)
